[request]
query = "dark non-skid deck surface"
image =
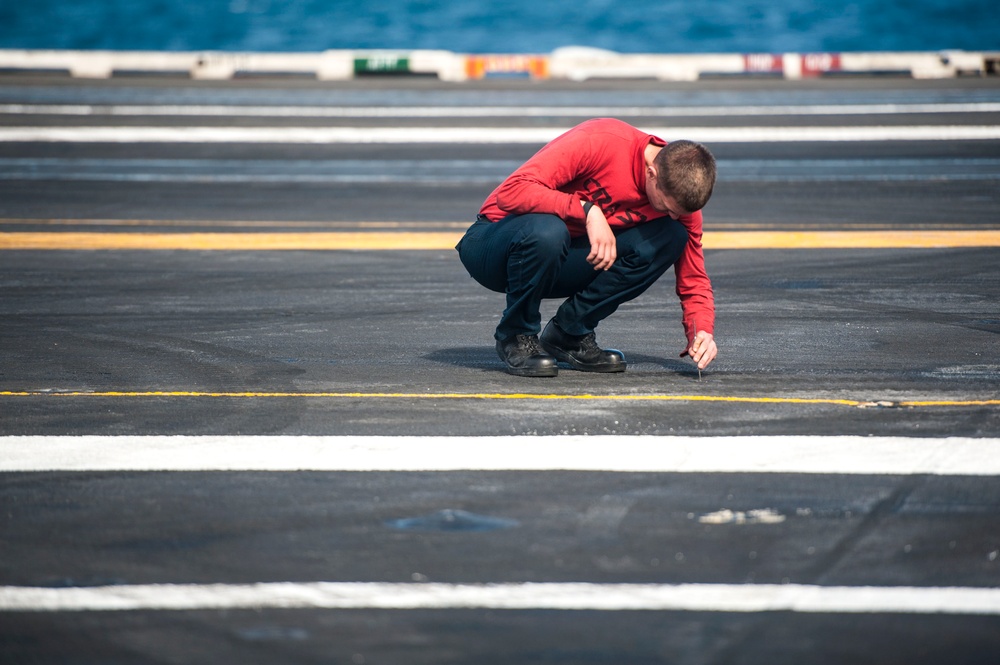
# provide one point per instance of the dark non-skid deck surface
(813, 342)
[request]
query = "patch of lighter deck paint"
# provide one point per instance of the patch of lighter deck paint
(759, 516)
(964, 372)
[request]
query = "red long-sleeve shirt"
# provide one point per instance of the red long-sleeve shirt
(602, 161)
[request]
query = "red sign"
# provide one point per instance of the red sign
(766, 63)
(814, 64)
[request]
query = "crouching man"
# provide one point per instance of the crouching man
(595, 218)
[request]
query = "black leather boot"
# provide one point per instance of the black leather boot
(581, 352)
(523, 356)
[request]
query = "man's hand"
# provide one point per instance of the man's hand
(703, 350)
(603, 246)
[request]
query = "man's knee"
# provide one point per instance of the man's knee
(544, 233)
(656, 244)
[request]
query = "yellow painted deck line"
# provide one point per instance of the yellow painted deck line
(917, 239)
(228, 241)
(447, 240)
(500, 396)
(712, 228)
(288, 223)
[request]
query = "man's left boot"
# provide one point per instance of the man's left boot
(581, 352)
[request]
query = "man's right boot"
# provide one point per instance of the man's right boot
(524, 356)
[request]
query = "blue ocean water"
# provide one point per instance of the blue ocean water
(507, 26)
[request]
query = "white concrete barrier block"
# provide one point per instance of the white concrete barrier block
(578, 63)
(81, 64)
(214, 66)
(446, 65)
(792, 66)
(285, 63)
(222, 65)
(40, 60)
(962, 62)
(151, 61)
(91, 68)
(930, 66)
(16, 58)
(919, 65)
(336, 66)
(717, 63)
(582, 63)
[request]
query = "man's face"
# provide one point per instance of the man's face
(660, 200)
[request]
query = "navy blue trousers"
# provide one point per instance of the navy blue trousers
(532, 257)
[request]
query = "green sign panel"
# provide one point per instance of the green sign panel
(382, 64)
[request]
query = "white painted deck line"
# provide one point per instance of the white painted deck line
(392, 135)
(551, 596)
(661, 454)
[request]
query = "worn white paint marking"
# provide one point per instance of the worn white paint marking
(680, 454)
(759, 516)
(553, 596)
(539, 135)
(229, 110)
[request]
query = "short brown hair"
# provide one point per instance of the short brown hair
(685, 170)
